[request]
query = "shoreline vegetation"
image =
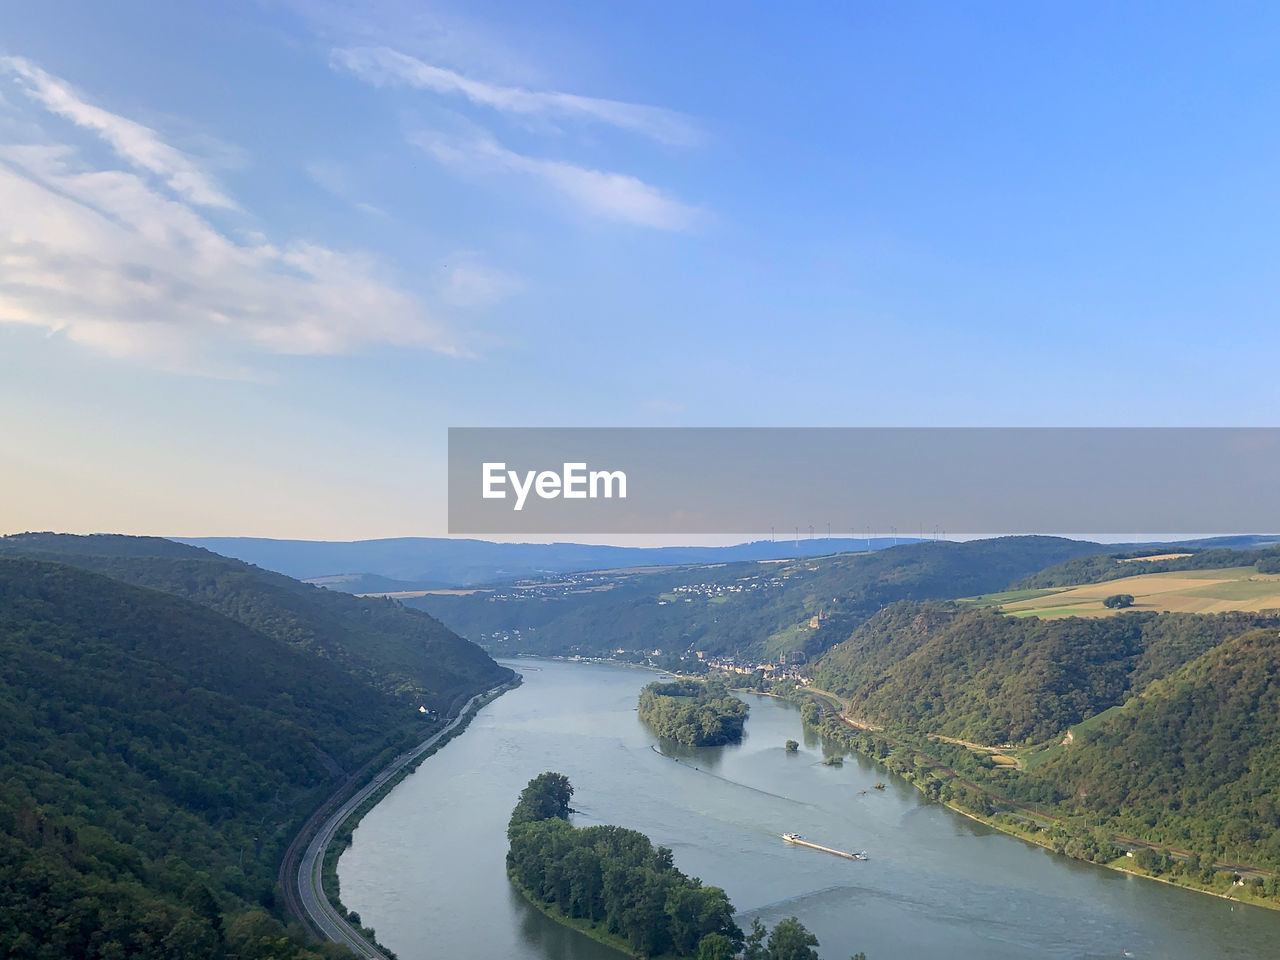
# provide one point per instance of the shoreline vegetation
(614, 886)
(1077, 837)
(695, 713)
(585, 927)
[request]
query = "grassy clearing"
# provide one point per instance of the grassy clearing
(1032, 757)
(1189, 591)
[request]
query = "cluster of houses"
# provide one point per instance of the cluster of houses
(787, 666)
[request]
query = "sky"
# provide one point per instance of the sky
(257, 257)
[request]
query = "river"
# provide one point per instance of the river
(426, 866)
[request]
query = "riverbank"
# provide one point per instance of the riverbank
(399, 768)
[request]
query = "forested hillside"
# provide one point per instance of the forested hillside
(403, 652)
(1194, 761)
(156, 758)
(752, 610)
(981, 676)
(158, 755)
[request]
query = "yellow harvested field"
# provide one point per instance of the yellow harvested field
(1191, 591)
(1162, 556)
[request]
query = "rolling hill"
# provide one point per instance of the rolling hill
(756, 611)
(1194, 761)
(157, 757)
(978, 675)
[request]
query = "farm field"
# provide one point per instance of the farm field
(1189, 591)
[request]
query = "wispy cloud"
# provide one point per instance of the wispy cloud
(465, 282)
(335, 181)
(382, 66)
(615, 196)
(114, 260)
(137, 144)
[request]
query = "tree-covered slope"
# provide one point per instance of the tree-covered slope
(156, 758)
(404, 652)
(981, 676)
(1194, 761)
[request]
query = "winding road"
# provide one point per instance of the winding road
(319, 912)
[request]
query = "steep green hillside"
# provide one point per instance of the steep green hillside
(980, 676)
(156, 758)
(1194, 761)
(403, 652)
(752, 610)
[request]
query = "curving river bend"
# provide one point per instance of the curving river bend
(426, 867)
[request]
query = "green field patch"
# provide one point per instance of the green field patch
(1180, 591)
(1220, 573)
(1236, 590)
(1032, 757)
(1010, 596)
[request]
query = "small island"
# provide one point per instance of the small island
(696, 713)
(613, 885)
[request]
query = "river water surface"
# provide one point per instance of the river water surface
(426, 867)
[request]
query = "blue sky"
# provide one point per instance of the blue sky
(255, 258)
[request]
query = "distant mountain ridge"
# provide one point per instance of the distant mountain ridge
(428, 563)
(432, 562)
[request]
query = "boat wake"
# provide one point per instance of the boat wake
(716, 776)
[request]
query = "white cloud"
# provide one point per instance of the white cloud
(114, 261)
(382, 66)
(425, 30)
(615, 196)
(139, 145)
(465, 282)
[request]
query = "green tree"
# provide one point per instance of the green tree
(790, 940)
(1118, 601)
(546, 797)
(753, 943)
(715, 946)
